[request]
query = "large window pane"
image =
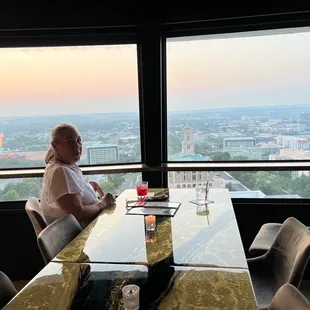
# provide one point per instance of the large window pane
(93, 87)
(247, 184)
(116, 183)
(239, 97)
(22, 189)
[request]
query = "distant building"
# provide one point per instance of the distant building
(305, 116)
(239, 142)
(188, 179)
(12, 156)
(287, 154)
(267, 138)
(293, 143)
(259, 194)
(268, 149)
(128, 140)
(102, 153)
(244, 146)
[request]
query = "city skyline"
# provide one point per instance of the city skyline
(203, 72)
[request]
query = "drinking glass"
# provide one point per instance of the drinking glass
(201, 194)
(142, 188)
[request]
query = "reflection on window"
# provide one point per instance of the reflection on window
(248, 184)
(22, 189)
(116, 183)
(93, 87)
(239, 96)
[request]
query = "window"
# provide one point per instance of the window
(116, 183)
(239, 96)
(253, 184)
(93, 87)
(22, 189)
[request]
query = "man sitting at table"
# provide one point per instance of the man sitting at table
(64, 188)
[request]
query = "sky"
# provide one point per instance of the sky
(203, 72)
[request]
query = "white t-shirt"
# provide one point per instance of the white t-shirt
(61, 179)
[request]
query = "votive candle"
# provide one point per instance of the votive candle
(150, 222)
(131, 297)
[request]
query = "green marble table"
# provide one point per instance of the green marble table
(190, 238)
(62, 286)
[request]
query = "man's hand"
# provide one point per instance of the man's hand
(97, 188)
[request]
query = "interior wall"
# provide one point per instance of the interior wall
(20, 256)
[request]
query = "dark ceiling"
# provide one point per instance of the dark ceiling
(14, 15)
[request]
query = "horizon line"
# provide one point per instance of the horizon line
(168, 111)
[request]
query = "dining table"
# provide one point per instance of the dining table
(192, 260)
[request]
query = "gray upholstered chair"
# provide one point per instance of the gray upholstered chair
(289, 297)
(35, 214)
(7, 289)
(284, 262)
(264, 238)
(57, 235)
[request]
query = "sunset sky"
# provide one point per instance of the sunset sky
(203, 73)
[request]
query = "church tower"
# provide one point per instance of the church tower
(188, 142)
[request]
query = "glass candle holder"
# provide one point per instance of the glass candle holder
(131, 297)
(150, 222)
(150, 236)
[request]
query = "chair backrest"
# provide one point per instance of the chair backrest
(290, 252)
(7, 289)
(289, 297)
(35, 214)
(57, 235)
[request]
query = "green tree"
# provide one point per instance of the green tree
(220, 156)
(202, 148)
(11, 195)
(306, 192)
(285, 174)
(240, 157)
(117, 179)
(108, 187)
(174, 144)
(28, 188)
(25, 189)
(246, 178)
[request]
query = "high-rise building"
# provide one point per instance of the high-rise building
(188, 179)
(242, 146)
(102, 153)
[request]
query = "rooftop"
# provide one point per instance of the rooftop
(240, 138)
(196, 157)
(97, 146)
